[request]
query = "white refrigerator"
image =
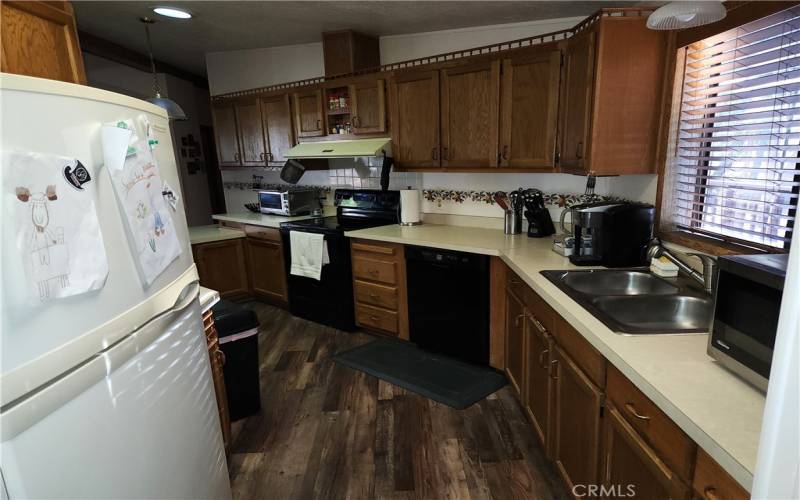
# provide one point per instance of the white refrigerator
(107, 393)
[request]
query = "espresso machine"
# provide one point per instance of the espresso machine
(611, 234)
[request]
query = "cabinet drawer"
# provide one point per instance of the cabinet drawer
(711, 482)
(380, 250)
(376, 295)
(375, 270)
(375, 317)
(263, 233)
(671, 444)
(580, 350)
(516, 285)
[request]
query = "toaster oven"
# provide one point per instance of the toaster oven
(746, 309)
(288, 203)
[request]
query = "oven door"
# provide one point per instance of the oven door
(745, 324)
(271, 202)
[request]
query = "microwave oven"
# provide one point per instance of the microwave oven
(289, 203)
(746, 308)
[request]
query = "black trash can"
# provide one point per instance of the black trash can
(237, 329)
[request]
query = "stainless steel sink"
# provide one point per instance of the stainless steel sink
(634, 301)
(617, 283)
(658, 313)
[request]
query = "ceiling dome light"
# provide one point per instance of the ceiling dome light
(681, 15)
(172, 12)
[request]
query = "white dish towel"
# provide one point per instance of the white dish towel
(309, 254)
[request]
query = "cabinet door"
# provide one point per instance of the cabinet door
(470, 114)
(536, 399)
(308, 113)
(515, 352)
(221, 267)
(251, 133)
(368, 107)
(577, 103)
(529, 110)
(267, 274)
(277, 117)
(414, 110)
(631, 468)
(576, 420)
(227, 134)
(40, 39)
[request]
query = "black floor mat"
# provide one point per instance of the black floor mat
(446, 380)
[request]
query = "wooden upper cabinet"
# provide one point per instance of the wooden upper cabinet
(368, 106)
(276, 115)
(40, 39)
(227, 133)
(251, 133)
(308, 119)
(577, 403)
(577, 100)
(612, 97)
(470, 114)
(529, 109)
(414, 111)
(630, 464)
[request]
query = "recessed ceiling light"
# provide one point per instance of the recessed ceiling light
(172, 12)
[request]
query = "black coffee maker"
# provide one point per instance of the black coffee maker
(611, 234)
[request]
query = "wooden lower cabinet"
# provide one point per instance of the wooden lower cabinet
(711, 482)
(217, 359)
(266, 269)
(577, 406)
(538, 394)
(515, 353)
(379, 287)
(631, 468)
(221, 266)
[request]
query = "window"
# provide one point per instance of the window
(735, 170)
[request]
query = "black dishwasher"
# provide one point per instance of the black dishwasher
(448, 302)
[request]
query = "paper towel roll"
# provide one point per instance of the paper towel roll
(409, 207)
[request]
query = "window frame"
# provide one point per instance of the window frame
(739, 13)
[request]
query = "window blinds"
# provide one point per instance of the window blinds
(738, 145)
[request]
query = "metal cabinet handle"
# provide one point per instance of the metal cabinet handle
(632, 410)
(373, 318)
(373, 272)
(261, 156)
(516, 320)
(319, 124)
(356, 121)
(541, 357)
(434, 153)
(221, 357)
(579, 150)
(505, 152)
(236, 156)
(710, 493)
(554, 369)
(269, 157)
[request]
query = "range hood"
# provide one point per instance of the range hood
(341, 149)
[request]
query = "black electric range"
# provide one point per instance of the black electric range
(329, 300)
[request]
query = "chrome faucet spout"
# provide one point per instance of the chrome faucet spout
(706, 278)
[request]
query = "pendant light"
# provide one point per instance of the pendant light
(681, 15)
(174, 111)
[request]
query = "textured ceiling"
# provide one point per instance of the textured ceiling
(233, 25)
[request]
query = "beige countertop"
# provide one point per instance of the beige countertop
(208, 298)
(720, 412)
(273, 221)
(213, 232)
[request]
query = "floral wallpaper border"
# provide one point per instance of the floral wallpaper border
(554, 199)
(440, 196)
(253, 186)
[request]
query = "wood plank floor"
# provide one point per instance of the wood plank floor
(327, 431)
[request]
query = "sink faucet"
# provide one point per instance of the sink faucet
(706, 278)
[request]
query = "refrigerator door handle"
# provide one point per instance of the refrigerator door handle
(190, 292)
